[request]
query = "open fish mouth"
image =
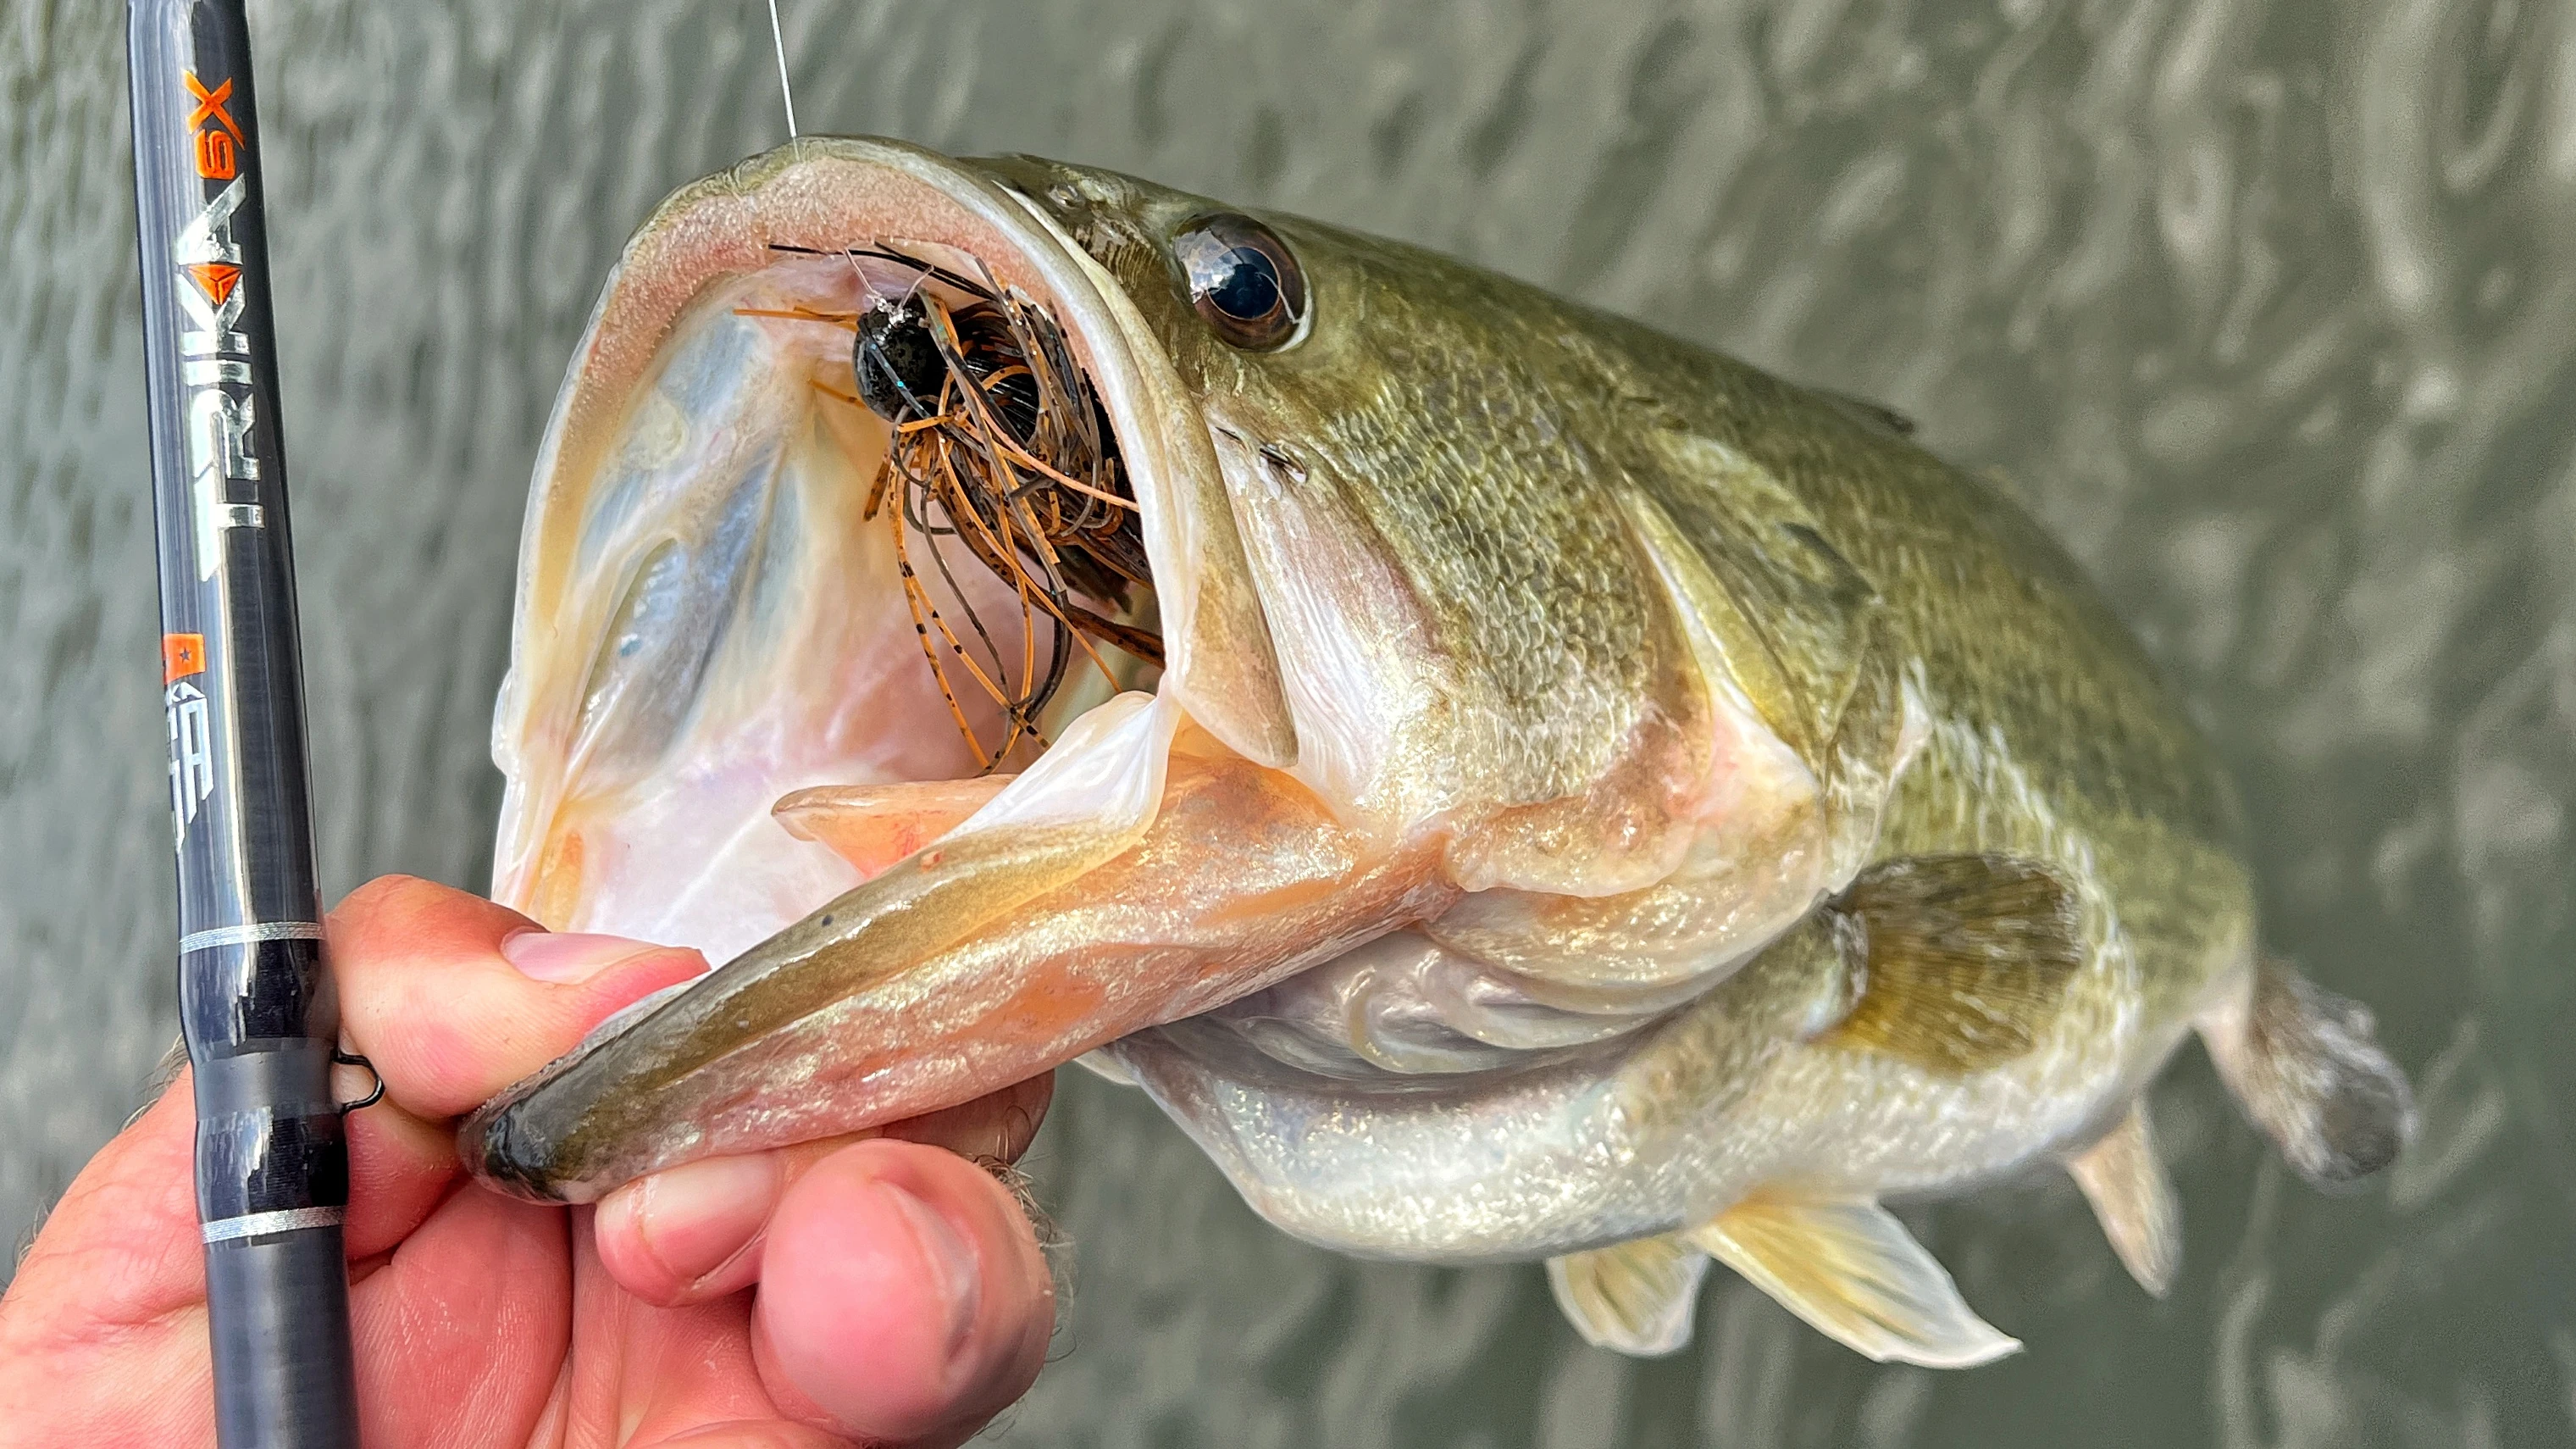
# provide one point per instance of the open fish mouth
(873, 518)
(857, 482)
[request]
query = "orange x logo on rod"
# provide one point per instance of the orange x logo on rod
(211, 104)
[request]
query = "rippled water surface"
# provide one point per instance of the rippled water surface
(2268, 308)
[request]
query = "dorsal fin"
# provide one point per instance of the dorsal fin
(2134, 1199)
(1633, 1297)
(1962, 960)
(1848, 1267)
(1872, 414)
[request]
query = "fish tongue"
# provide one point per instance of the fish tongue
(874, 826)
(1185, 878)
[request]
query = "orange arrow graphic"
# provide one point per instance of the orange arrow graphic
(215, 279)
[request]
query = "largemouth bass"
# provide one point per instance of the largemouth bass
(1510, 784)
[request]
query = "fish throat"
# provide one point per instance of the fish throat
(1002, 452)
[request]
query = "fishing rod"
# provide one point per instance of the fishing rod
(257, 1006)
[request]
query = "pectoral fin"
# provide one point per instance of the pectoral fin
(1961, 960)
(1634, 1297)
(2134, 1200)
(1849, 1268)
(2306, 1065)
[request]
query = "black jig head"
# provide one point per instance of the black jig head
(897, 361)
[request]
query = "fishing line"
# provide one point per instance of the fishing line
(786, 92)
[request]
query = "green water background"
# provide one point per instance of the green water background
(2269, 307)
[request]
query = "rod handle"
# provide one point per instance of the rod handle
(293, 1384)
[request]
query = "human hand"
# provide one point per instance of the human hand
(884, 1289)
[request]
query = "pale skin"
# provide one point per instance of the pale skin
(880, 1289)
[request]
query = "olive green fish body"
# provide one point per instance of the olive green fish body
(1939, 665)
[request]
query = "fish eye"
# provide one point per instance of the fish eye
(1243, 280)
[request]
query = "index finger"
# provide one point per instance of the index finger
(431, 993)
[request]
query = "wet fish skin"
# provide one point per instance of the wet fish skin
(1492, 440)
(1490, 436)
(1734, 719)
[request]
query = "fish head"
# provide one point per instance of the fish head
(1378, 561)
(1412, 640)
(1424, 469)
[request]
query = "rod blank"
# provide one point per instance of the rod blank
(256, 1000)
